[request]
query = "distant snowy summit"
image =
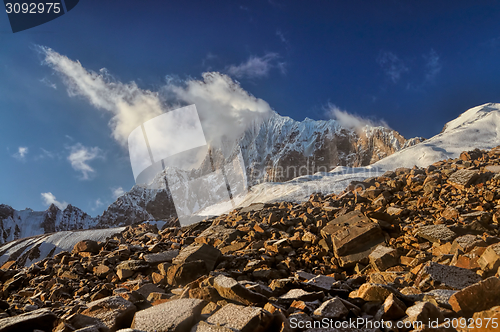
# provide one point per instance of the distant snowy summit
(16, 224)
(478, 127)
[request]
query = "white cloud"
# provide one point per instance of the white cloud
(48, 83)
(117, 192)
(97, 204)
(255, 67)
(432, 66)
(21, 153)
(48, 199)
(129, 105)
(351, 121)
(281, 36)
(225, 109)
(392, 65)
(80, 156)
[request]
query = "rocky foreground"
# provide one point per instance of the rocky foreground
(414, 246)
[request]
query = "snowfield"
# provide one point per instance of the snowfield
(60, 241)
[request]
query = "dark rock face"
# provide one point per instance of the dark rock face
(281, 149)
(137, 205)
(6, 211)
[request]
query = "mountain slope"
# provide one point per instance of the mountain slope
(478, 127)
(20, 224)
(275, 150)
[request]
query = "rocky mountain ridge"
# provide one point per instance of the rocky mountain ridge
(276, 150)
(16, 224)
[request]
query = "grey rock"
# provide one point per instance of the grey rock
(114, 311)
(322, 282)
(466, 243)
(42, 319)
(450, 276)
(173, 316)
(441, 296)
(463, 178)
(133, 265)
(241, 318)
(333, 308)
(436, 233)
(165, 256)
(301, 295)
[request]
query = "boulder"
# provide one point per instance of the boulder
(230, 289)
(241, 318)
(172, 316)
(184, 273)
(198, 251)
(372, 292)
(86, 246)
(490, 259)
(333, 308)
(160, 257)
(114, 311)
(463, 178)
(383, 258)
(478, 297)
(41, 319)
(353, 237)
(424, 312)
(452, 277)
(436, 233)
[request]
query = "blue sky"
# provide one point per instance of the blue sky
(414, 65)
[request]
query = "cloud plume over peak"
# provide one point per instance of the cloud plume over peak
(224, 107)
(49, 198)
(352, 121)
